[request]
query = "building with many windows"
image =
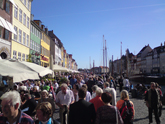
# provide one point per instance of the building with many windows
(6, 28)
(35, 41)
(21, 23)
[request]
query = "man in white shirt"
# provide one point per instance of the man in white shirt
(88, 94)
(55, 85)
(94, 88)
(64, 98)
(126, 84)
(112, 91)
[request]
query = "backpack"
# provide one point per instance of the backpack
(126, 111)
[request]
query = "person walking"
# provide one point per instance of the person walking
(97, 101)
(123, 103)
(64, 98)
(82, 112)
(153, 102)
(108, 114)
(120, 81)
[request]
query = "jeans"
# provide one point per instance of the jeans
(150, 109)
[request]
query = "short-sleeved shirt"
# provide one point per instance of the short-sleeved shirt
(65, 99)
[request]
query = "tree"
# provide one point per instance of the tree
(29, 58)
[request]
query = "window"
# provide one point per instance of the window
(35, 46)
(15, 35)
(31, 28)
(6, 34)
(20, 15)
(15, 12)
(14, 54)
(19, 56)
(28, 4)
(0, 31)
(25, 2)
(24, 37)
(23, 57)
(31, 44)
(38, 47)
(7, 6)
(34, 31)
(27, 22)
(1, 4)
(41, 36)
(20, 35)
(24, 19)
(27, 42)
(27, 57)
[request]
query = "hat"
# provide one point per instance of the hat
(45, 91)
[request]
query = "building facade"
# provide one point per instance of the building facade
(45, 47)
(6, 28)
(35, 42)
(21, 24)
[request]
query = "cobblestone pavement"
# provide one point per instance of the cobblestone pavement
(141, 111)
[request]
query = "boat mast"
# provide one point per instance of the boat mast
(121, 60)
(106, 55)
(103, 58)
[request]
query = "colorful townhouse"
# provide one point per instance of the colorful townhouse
(45, 45)
(35, 41)
(6, 28)
(21, 24)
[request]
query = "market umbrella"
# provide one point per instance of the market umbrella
(42, 71)
(19, 72)
(59, 68)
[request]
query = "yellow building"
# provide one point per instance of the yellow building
(62, 56)
(45, 47)
(21, 24)
(66, 60)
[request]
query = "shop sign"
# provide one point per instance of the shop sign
(44, 58)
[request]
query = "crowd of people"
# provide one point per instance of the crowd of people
(80, 98)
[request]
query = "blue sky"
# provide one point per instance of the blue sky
(81, 24)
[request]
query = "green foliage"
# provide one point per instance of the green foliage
(29, 58)
(63, 80)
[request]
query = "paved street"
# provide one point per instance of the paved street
(141, 112)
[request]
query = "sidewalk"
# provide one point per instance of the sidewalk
(141, 111)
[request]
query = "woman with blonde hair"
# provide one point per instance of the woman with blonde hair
(124, 101)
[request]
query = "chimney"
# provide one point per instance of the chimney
(161, 44)
(164, 43)
(43, 27)
(46, 31)
(32, 16)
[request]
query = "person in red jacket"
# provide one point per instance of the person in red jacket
(97, 101)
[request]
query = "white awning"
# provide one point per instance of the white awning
(4, 23)
(7, 25)
(1, 23)
(11, 27)
(12, 1)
